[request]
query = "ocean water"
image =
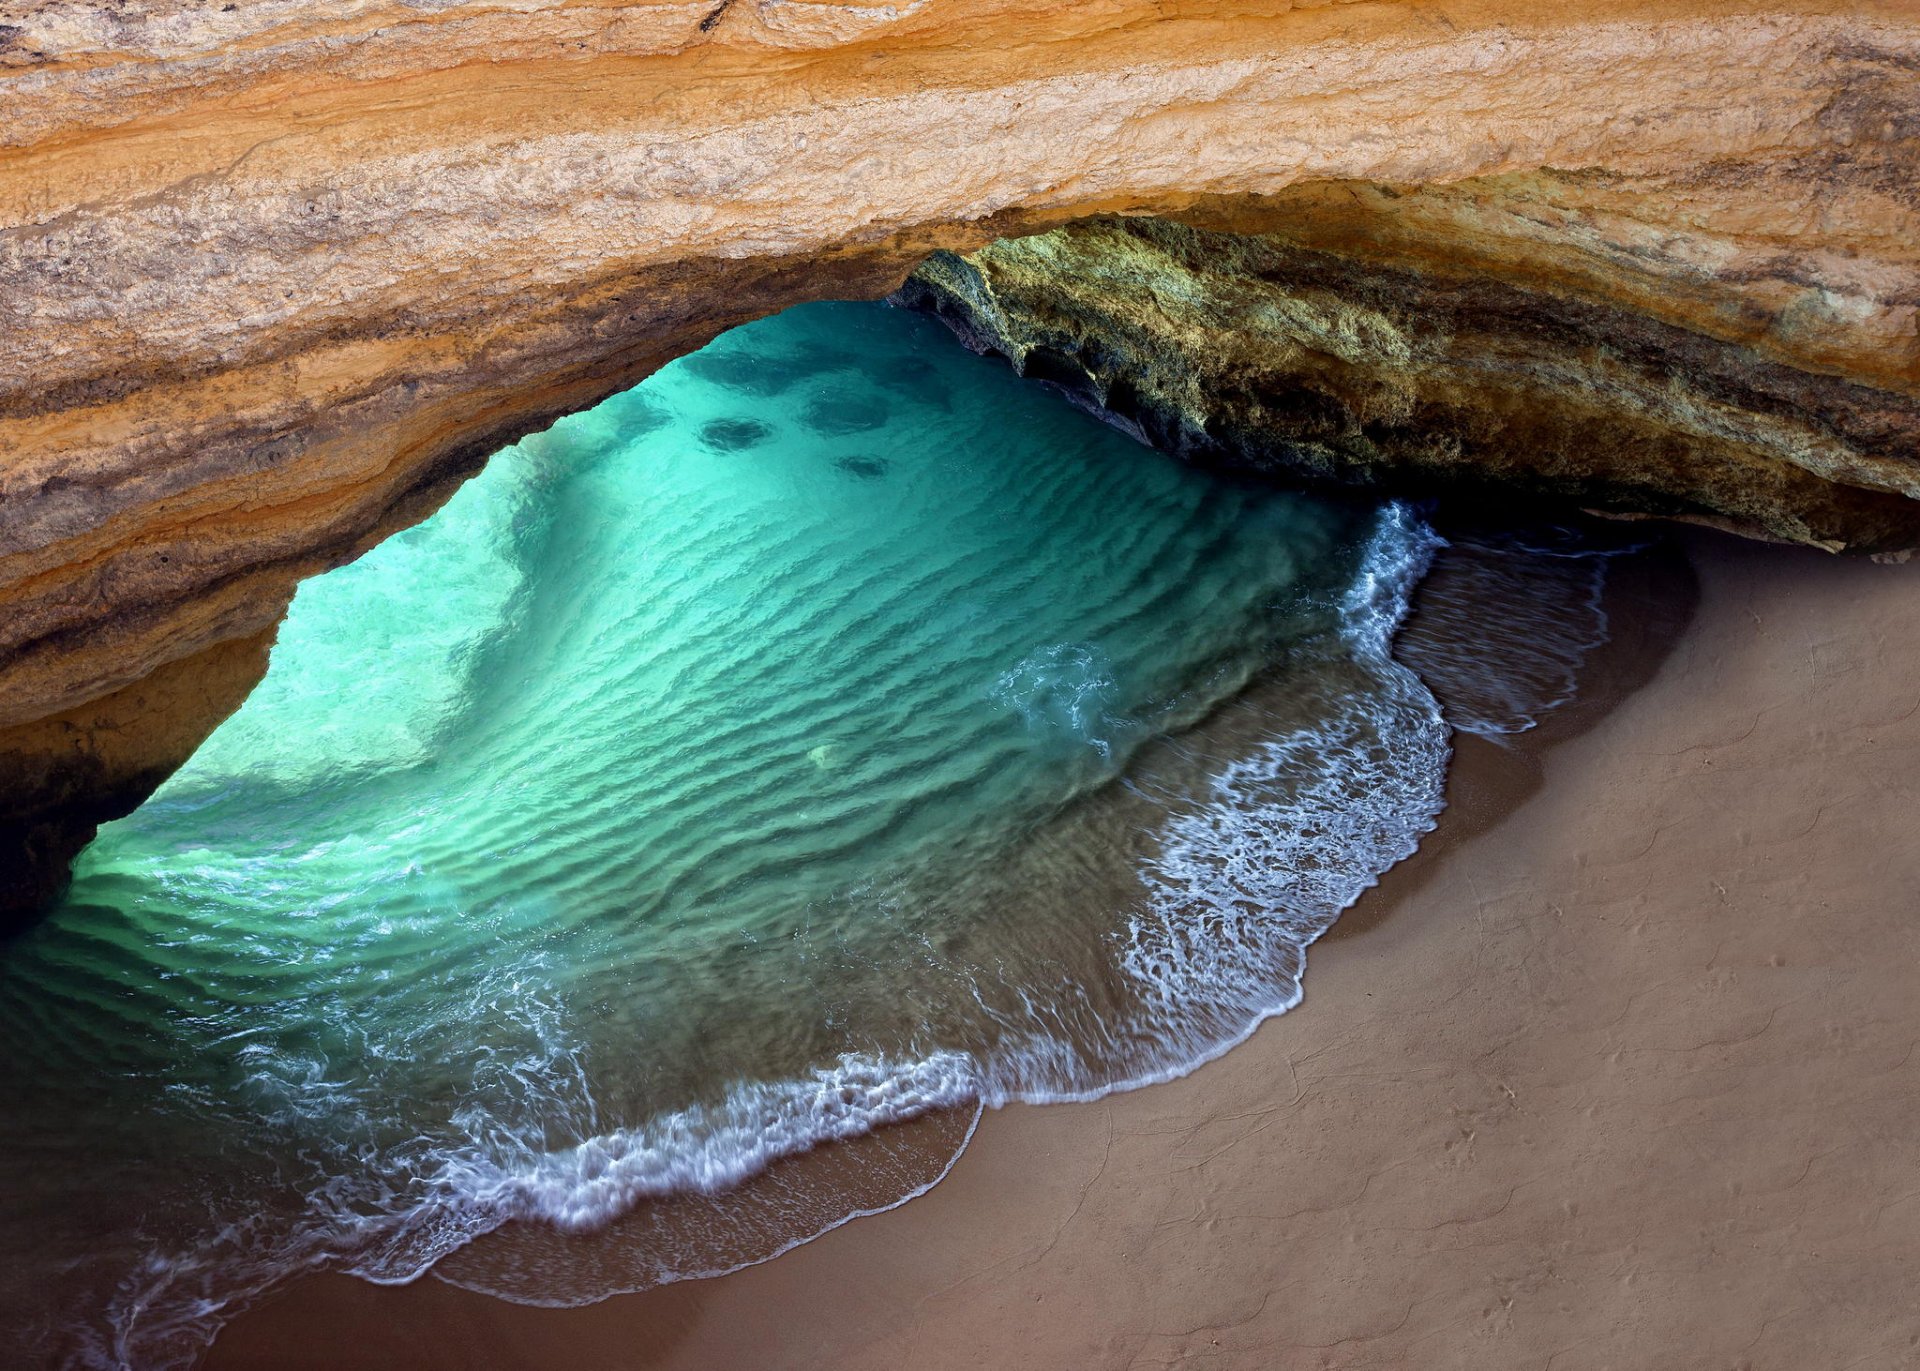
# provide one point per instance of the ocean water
(1506, 620)
(823, 741)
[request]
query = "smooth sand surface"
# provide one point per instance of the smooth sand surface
(1628, 1076)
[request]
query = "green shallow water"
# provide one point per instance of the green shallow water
(831, 731)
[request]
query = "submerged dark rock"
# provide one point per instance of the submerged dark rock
(836, 413)
(863, 468)
(735, 435)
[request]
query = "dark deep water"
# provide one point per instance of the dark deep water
(832, 731)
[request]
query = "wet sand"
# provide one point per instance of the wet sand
(1620, 1071)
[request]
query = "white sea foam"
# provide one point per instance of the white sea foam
(706, 1149)
(388, 1213)
(1062, 686)
(1288, 838)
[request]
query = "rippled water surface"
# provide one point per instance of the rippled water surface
(830, 733)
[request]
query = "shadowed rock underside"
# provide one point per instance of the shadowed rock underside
(1290, 354)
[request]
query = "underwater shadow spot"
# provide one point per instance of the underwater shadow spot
(842, 412)
(634, 415)
(734, 435)
(758, 374)
(914, 377)
(863, 468)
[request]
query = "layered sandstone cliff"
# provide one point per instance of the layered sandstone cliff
(275, 276)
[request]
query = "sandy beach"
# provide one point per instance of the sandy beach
(1620, 1072)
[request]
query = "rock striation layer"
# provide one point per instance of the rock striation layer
(274, 277)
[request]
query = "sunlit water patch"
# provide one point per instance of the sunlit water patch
(823, 740)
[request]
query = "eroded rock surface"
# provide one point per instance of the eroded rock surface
(274, 277)
(1302, 351)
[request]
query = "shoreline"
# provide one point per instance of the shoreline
(1644, 1112)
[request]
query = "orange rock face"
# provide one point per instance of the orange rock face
(275, 277)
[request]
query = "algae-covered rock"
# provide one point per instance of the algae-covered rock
(1256, 350)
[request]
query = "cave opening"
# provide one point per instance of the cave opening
(827, 738)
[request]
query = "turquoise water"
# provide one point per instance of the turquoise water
(831, 732)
